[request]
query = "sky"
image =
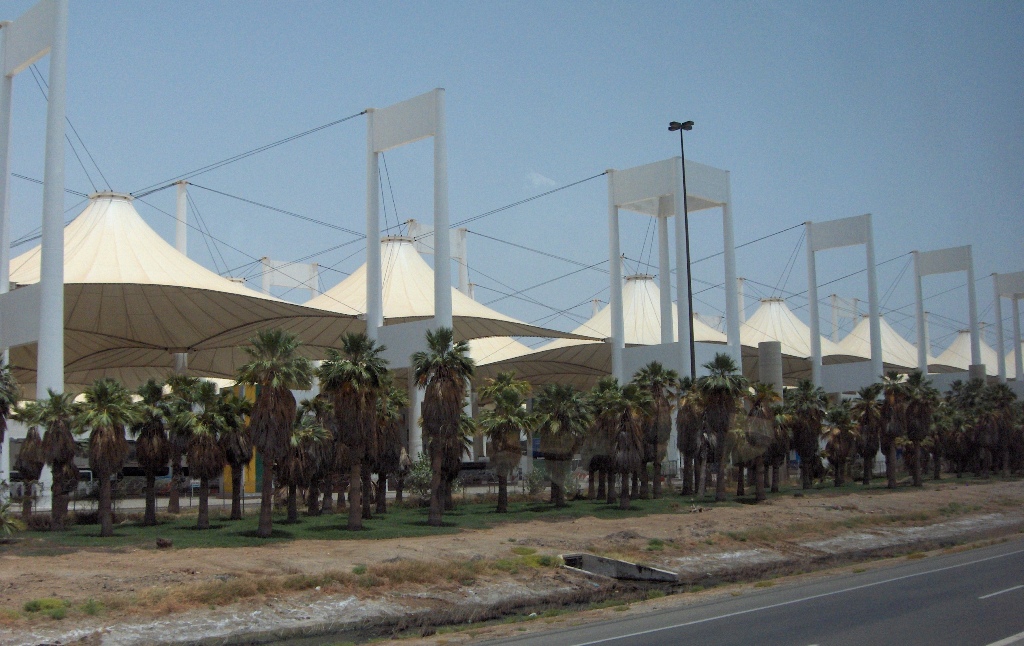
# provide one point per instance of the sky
(908, 111)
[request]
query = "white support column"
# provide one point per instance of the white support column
(1018, 360)
(1000, 349)
(6, 86)
(922, 324)
(927, 338)
(732, 316)
(683, 321)
(835, 317)
(874, 322)
(181, 220)
(415, 407)
(442, 243)
(374, 286)
(664, 274)
(812, 307)
(50, 356)
(615, 295)
(741, 297)
(972, 304)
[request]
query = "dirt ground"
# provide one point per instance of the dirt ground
(93, 574)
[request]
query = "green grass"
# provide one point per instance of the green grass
(52, 608)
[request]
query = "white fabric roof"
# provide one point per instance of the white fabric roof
(495, 348)
(897, 352)
(132, 300)
(774, 321)
(582, 363)
(1011, 366)
(409, 296)
(958, 356)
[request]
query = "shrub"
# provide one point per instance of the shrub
(535, 481)
(49, 606)
(418, 480)
(92, 607)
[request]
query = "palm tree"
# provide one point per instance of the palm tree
(106, 412)
(720, 388)
(840, 437)
(31, 458)
(627, 449)
(202, 424)
(689, 430)
(311, 456)
(660, 384)
(894, 421)
(352, 379)
(59, 412)
(152, 448)
(503, 425)
(761, 430)
(778, 453)
(921, 400)
(183, 397)
(275, 368)
(317, 462)
(563, 418)
(442, 370)
(9, 391)
(1000, 401)
(867, 413)
(606, 403)
(236, 442)
(806, 405)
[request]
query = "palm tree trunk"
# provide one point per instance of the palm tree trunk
(741, 488)
(917, 464)
(313, 498)
(937, 475)
(634, 489)
(328, 486)
(591, 485)
(236, 492)
(150, 516)
(436, 495)
(105, 513)
(1006, 460)
(446, 488)
(602, 484)
(366, 493)
(840, 468)
(869, 466)
(293, 503)
(610, 493)
(266, 525)
(59, 508)
(645, 483)
(759, 474)
(890, 466)
(204, 504)
(688, 464)
(624, 492)
(557, 494)
(355, 503)
(775, 478)
(702, 474)
(399, 486)
(26, 502)
(656, 486)
(720, 477)
(382, 493)
(173, 496)
(503, 494)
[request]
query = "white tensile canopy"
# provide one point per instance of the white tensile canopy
(582, 363)
(897, 353)
(774, 321)
(409, 296)
(492, 349)
(1011, 366)
(957, 357)
(131, 301)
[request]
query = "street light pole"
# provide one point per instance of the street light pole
(673, 126)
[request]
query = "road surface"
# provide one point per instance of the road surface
(975, 597)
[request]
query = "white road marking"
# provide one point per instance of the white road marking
(1012, 639)
(1016, 587)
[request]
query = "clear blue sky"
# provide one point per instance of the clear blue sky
(909, 111)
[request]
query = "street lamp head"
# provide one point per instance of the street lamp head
(675, 125)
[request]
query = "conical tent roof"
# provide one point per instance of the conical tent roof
(1011, 365)
(582, 363)
(774, 321)
(897, 352)
(958, 356)
(409, 296)
(131, 301)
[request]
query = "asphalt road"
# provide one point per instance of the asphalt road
(971, 598)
